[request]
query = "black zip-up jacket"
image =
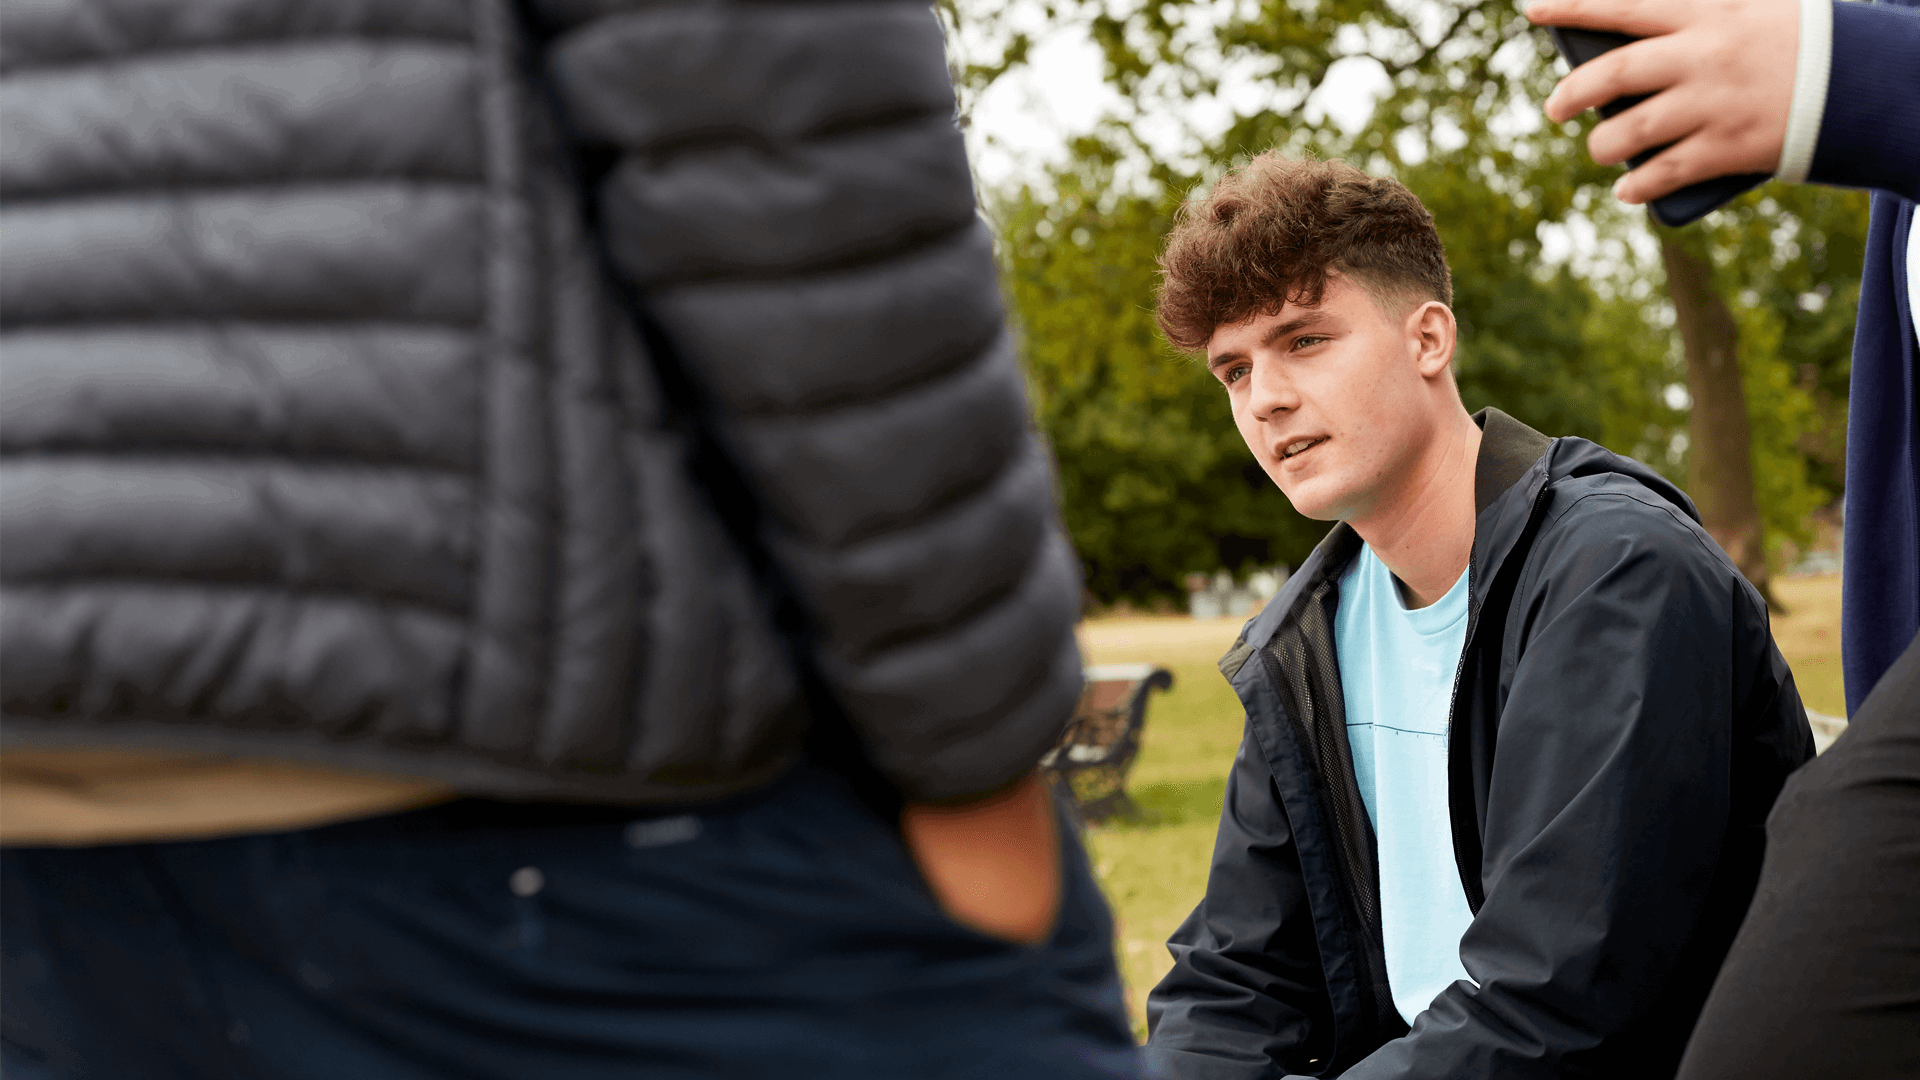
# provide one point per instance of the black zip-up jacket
(1621, 723)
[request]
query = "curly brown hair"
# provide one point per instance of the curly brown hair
(1270, 232)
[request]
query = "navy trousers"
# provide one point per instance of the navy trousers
(1824, 979)
(787, 935)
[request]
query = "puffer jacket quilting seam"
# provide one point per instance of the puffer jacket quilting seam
(509, 656)
(356, 184)
(232, 49)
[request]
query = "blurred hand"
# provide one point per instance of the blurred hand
(1723, 72)
(994, 865)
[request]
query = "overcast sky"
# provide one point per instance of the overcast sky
(1026, 118)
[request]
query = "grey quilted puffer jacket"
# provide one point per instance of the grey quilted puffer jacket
(461, 389)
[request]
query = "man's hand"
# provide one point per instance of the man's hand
(1722, 72)
(994, 864)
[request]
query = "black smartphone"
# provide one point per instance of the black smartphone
(1678, 208)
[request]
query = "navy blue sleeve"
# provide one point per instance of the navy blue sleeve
(1880, 594)
(1246, 998)
(1870, 131)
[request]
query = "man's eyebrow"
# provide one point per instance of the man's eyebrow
(1279, 330)
(1298, 322)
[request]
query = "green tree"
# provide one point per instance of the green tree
(1155, 480)
(1788, 260)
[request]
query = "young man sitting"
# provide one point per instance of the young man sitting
(1512, 730)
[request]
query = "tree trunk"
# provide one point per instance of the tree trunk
(1720, 442)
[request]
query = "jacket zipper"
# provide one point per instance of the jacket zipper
(1367, 928)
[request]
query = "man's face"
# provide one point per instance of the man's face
(1332, 399)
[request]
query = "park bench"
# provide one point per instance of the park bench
(1091, 760)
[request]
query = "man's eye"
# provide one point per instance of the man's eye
(1307, 341)
(1233, 374)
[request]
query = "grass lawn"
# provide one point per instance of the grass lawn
(1154, 868)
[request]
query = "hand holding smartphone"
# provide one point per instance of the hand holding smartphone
(1682, 207)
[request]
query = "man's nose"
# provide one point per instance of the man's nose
(1273, 391)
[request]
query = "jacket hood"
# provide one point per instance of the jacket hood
(1574, 458)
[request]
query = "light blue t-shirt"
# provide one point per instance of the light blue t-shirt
(1396, 673)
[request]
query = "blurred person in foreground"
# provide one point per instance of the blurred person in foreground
(1512, 729)
(523, 555)
(1824, 979)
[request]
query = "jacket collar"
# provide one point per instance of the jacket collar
(1509, 473)
(1514, 466)
(1508, 448)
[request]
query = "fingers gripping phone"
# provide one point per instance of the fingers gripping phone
(1677, 208)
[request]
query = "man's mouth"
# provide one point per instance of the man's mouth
(1300, 446)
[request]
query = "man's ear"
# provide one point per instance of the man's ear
(1431, 333)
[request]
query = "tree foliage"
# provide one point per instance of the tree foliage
(1155, 480)
(1788, 259)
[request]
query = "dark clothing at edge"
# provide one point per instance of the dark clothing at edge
(1870, 138)
(1821, 980)
(1824, 979)
(567, 403)
(788, 936)
(514, 396)
(1621, 726)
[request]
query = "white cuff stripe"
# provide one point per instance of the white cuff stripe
(1810, 72)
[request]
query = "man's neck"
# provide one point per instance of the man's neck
(1425, 534)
